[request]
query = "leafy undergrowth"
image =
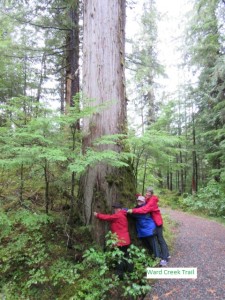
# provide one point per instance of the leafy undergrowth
(170, 228)
(209, 201)
(169, 199)
(36, 264)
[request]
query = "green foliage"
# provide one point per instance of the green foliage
(93, 157)
(170, 198)
(205, 53)
(209, 200)
(63, 271)
(38, 31)
(32, 267)
(153, 151)
(144, 65)
(37, 142)
(98, 281)
(5, 225)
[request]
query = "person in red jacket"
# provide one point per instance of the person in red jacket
(119, 226)
(152, 208)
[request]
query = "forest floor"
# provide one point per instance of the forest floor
(199, 243)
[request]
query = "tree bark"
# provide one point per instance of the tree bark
(46, 174)
(103, 80)
(42, 74)
(72, 56)
(194, 160)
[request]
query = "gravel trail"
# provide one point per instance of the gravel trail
(199, 243)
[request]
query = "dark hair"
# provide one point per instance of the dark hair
(117, 205)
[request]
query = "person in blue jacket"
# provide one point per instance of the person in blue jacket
(146, 229)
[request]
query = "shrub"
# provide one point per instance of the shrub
(29, 269)
(35, 265)
(99, 281)
(209, 200)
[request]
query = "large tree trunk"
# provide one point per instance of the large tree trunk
(103, 80)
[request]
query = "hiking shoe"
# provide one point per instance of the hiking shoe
(163, 263)
(169, 257)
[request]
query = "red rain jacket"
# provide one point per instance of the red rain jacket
(152, 208)
(118, 225)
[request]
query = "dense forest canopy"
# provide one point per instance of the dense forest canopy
(76, 134)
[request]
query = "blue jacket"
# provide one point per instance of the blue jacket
(144, 224)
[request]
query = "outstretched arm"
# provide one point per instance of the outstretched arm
(148, 208)
(106, 217)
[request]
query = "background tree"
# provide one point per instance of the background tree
(46, 46)
(144, 66)
(206, 52)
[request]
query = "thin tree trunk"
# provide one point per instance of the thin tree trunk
(171, 181)
(62, 91)
(194, 160)
(25, 76)
(168, 179)
(46, 171)
(177, 175)
(144, 176)
(72, 196)
(41, 77)
(72, 56)
(182, 187)
(21, 183)
(71, 90)
(161, 181)
(138, 158)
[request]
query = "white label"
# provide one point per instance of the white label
(170, 273)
